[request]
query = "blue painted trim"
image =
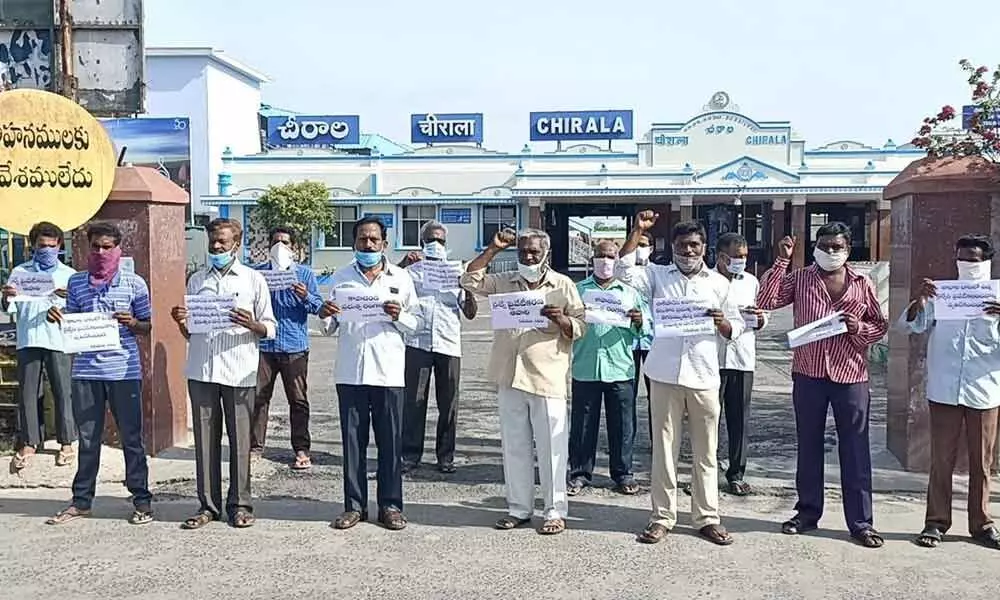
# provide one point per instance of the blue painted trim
(438, 157)
(223, 211)
(713, 191)
(747, 159)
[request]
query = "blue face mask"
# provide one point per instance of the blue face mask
(367, 259)
(220, 261)
(46, 258)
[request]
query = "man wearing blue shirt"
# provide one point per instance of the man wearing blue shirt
(39, 344)
(288, 353)
(963, 393)
(108, 378)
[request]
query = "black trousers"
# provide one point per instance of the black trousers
(381, 408)
(585, 425)
(420, 365)
(735, 393)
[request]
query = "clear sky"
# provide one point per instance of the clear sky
(865, 70)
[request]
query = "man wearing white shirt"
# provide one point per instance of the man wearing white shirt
(963, 391)
(684, 372)
(222, 375)
(738, 356)
(434, 350)
(369, 375)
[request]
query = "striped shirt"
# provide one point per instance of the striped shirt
(292, 313)
(230, 357)
(842, 358)
(126, 292)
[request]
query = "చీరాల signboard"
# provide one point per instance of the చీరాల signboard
(581, 125)
(57, 162)
(301, 130)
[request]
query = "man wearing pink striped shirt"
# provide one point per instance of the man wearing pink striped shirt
(830, 372)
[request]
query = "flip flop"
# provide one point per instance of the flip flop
(930, 537)
(716, 534)
(510, 522)
(302, 463)
(869, 538)
(199, 520)
(65, 516)
(552, 527)
(653, 533)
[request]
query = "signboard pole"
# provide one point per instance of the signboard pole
(67, 85)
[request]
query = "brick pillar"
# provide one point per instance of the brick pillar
(799, 231)
(884, 231)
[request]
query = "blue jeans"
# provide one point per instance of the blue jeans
(585, 424)
(91, 399)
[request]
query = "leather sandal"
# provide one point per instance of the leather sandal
(869, 538)
(199, 520)
(349, 519)
(653, 533)
(930, 537)
(552, 527)
(510, 522)
(716, 534)
(393, 520)
(71, 513)
(242, 519)
(988, 536)
(796, 525)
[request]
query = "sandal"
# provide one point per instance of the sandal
(739, 488)
(795, 526)
(199, 520)
(716, 534)
(348, 519)
(302, 463)
(510, 522)
(141, 516)
(576, 486)
(65, 457)
(989, 537)
(447, 468)
(653, 533)
(628, 487)
(552, 527)
(869, 538)
(19, 462)
(930, 537)
(393, 520)
(65, 516)
(242, 519)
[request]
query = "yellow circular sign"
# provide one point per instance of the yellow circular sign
(57, 162)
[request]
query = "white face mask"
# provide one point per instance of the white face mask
(531, 273)
(974, 271)
(282, 257)
(737, 265)
(435, 250)
(642, 254)
(688, 264)
(829, 262)
(604, 268)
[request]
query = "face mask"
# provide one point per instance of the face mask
(530, 273)
(46, 258)
(688, 264)
(367, 260)
(604, 268)
(642, 254)
(974, 271)
(103, 265)
(829, 262)
(435, 250)
(282, 256)
(737, 265)
(222, 260)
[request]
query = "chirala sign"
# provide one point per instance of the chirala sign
(581, 125)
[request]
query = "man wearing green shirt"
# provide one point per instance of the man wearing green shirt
(603, 370)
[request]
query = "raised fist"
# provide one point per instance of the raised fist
(645, 220)
(786, 246)
(504, 239)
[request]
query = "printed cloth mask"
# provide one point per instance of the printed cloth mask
(737, 265)
(46, 258)
(102, 265)
(604, 268)
(367, 260)
(829, 261)
(642, 254)
(435, 250)
(974, 271)
(221, 261)
(282, 257)
(688, 264)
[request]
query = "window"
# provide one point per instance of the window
(413, 219)
(496, 218)
(340, 236)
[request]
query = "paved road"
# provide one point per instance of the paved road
(450, 550)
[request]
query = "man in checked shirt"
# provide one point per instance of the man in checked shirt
(831, 371)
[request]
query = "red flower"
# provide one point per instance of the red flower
(947, 113)
(925, 130)
(982, 90)
(982, 70)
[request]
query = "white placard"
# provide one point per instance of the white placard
(682, 317)
(440, 274)
(90, 332)
(963, 300)
(31, 286)
(209, 312)
(606, 308)
(280, 280)
(518, 310)
(821, 329)
(359, 305)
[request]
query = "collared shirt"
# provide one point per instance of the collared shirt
(441, 330)
(604, 353)
(536, 361)
(126, 292)
(645, 342)
(372, 352)
(292, 313)
(230, 357)
(740, 352)
(692, 361)
(963, 359)
(842, 358)
(33, 327)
